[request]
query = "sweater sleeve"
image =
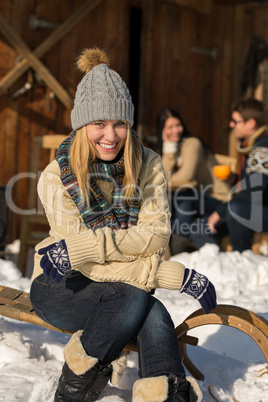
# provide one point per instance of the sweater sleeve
(170, 275)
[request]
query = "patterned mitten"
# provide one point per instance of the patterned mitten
(55, 262)
(198, 286)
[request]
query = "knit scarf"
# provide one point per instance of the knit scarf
(98, 214)
(245, 147)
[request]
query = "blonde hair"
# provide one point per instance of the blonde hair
(83, 152)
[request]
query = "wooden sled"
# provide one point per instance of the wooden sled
(16, 304)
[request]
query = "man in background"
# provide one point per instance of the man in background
(247, 210)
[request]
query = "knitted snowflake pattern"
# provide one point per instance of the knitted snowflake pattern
(59, 257)
(258, 161)
(195, 284)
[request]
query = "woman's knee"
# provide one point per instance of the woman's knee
(39, 287)
(157, 315)
(238, 210)
(125, 297)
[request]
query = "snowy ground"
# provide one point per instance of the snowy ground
(31, 357)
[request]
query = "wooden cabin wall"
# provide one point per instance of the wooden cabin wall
(162, 67)
(202, 88)
(175, 76)
(232, 32)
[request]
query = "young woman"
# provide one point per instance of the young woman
(105, 199)
(194, 189)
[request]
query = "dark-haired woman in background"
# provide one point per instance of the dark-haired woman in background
(193, 188)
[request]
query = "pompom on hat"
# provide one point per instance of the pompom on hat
(101, 94)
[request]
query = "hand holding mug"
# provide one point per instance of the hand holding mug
(222, 172)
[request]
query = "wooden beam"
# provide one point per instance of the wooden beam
(238, 2)
(202, 6)
(51, 40)
(36, 64)
(146, 59)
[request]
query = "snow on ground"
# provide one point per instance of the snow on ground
(234, 366)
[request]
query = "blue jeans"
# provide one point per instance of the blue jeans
(241, 220)
(188, 205)
(111, 314)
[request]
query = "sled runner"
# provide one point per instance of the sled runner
(16, 304)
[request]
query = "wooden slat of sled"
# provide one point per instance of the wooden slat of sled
(225, 311)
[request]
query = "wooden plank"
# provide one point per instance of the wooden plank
(52, 141)
(189, 364)
(146, 62)
(23, 65)
(221, 78)
(9, 129)
(202, 6)
(61, 61)
(226, 77)
(237, 2)
(226, 309)
(238, 57)
(163, 29)
(37, 65)
(9, 112)
(10, 294)
(195, 68)
(189, 340)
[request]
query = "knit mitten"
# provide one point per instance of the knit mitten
(55, 261)
(198, 286)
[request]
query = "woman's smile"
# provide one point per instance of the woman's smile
(108, 147)
(108, 137)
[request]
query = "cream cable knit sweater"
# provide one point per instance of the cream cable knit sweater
(131, 256)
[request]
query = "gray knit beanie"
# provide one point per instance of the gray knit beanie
(101, 94)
